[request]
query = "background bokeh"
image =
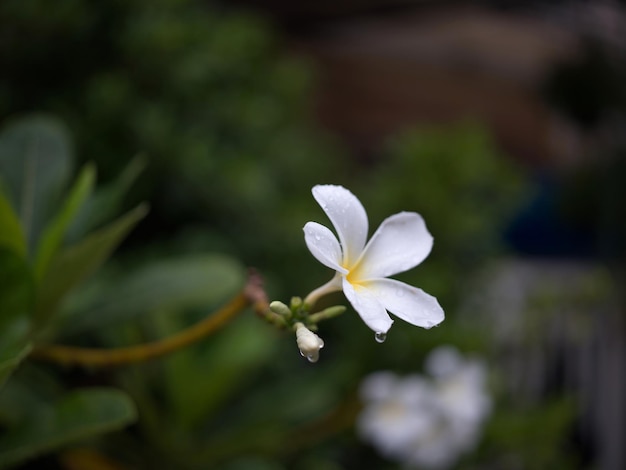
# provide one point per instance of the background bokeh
(502, 123)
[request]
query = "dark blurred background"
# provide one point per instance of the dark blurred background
(503, 123)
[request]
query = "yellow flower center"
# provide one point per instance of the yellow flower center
(353, 275)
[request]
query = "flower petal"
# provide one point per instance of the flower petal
(347, 215)
(444, 361)
(323, 244)
(378, 386)
(400, 243)
(409, 303)
(368, 307)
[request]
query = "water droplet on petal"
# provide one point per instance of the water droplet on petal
(312, 357)
(302, 354)
(318, 238)
(399, 293)
(380, 337)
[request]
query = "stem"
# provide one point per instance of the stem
(325, 314)
(333, 285)
(252, 295)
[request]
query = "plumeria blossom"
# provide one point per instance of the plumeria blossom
(426, 421)
(362, 269)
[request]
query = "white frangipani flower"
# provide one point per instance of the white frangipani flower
(397, 411)
(426, 422)
(460, 383)
(362, 270)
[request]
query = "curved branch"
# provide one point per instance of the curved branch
(252, 295)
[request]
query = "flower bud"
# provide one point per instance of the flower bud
(280, 308)
(296, 303)
(308, 343)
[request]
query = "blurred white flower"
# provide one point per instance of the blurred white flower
(400, 243)
(426, 422)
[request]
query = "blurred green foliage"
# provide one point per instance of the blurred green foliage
(37, 272)
(465, 189)
(42, 272)
(228, 157)
(201, 91)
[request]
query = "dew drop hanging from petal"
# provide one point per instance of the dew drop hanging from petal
(380, 337)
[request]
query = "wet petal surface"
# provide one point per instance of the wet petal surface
(400, 243)
(323, 244)
(347, 215)
(366, 304)
(409, 303)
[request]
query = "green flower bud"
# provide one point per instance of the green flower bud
(280, 308)
(296, 303)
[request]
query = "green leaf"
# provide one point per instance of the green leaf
(16, 302)
(10, 358)
(11, 235)
(72, 265)
(77, 416)
(22, 397)
(29, 393)
(201, 378)
(35, 163)
(55, 231)
(172, 285)
(106, 201)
